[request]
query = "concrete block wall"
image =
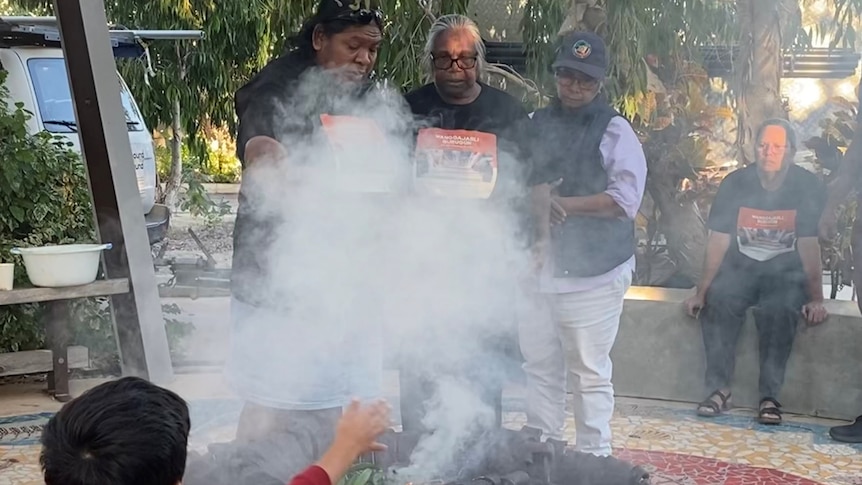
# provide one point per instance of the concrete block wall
(659, 355)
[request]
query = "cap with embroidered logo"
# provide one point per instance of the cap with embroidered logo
(585, 52)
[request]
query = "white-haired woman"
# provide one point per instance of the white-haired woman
(457, 114)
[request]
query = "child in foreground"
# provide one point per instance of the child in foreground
(132, 432)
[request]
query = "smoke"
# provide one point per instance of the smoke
(430, 282)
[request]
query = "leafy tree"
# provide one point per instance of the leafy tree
(192, 83)
(651, 42)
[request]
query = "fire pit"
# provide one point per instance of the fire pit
(506, 457)
(496, 457)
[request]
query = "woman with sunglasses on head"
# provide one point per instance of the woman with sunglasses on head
(295, 360)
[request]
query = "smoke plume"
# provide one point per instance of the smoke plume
(427, 281)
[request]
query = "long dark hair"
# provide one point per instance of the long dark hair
(302, 44)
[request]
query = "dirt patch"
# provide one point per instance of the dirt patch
(217, 239)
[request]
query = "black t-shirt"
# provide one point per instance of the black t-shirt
(765, 225)
(495, 113)
(288, 101)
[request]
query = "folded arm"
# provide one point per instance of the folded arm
(625, 164)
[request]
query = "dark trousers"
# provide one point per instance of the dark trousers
(280, 442)
(777, 299)
(418, 386)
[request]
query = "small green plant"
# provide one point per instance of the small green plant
(198, 202)
(364, 474)
(195, 199)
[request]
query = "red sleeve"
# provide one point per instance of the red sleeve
(313, 475)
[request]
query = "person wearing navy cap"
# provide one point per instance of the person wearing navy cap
(588, 183)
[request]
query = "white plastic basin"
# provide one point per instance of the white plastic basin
(62, 265)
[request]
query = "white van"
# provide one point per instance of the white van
(31, 55)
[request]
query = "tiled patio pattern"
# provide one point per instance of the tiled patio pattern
(669, 440)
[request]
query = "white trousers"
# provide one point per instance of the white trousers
(571, 336)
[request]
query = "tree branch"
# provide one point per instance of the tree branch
(427, 8)
(528, 85)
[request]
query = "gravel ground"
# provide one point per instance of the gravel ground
(217, 240)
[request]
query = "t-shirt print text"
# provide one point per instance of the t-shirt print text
(763, 235)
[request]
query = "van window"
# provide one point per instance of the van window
(54, 97)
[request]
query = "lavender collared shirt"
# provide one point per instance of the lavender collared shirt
(624, 161)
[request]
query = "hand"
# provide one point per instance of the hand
(814, 312)
(694, 304)
(263, 149)
(356, 434)
(360, 426)
(558, 214)
(539, 253)
(827, 229)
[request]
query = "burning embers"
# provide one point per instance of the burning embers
(504, 457)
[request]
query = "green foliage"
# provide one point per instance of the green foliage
(829, 147)
(198, 203)
(539, 25)
(669, 29)
(218, 168)
(240, 37)
(163, 161)
(222, 167)
(364, 474)
(44, 191)
(202, 75)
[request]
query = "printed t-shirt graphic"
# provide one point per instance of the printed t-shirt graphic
(363, 160)
(455, 163)
(763, 235)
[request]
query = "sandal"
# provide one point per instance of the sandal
(711, 408)
(771, 413)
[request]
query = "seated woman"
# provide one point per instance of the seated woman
(762, 252)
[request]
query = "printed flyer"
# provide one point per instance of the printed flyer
(455, 163)
(363, 161)
(763, 235)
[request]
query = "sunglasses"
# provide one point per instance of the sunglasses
(361, 16)
(571, 77)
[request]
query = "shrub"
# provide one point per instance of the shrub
(45, 199)
(43, 192)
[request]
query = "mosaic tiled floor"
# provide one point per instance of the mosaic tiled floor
(677, 447)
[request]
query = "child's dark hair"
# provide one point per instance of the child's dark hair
(124, 432)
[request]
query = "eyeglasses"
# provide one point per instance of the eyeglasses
(445, 62)
(361, 16)
(767, 148)
(571, 77)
